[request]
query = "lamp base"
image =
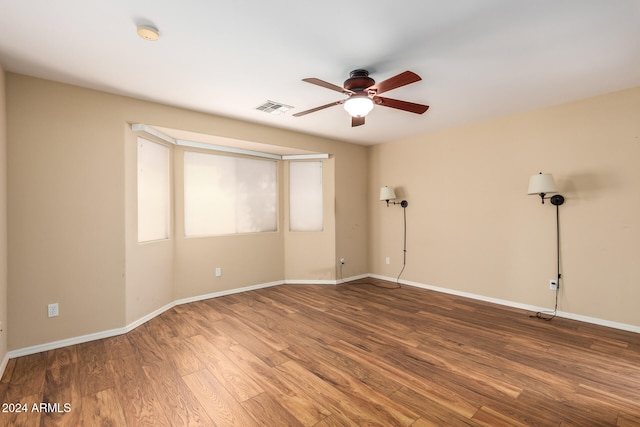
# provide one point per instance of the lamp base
(557, 200)
(404, 203)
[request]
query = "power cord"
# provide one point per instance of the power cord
(404, 248)
(541, 314)
(355, 282)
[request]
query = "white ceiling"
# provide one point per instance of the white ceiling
(478, 58)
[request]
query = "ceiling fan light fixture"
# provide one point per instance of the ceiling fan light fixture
(358, 106)
(363, 92)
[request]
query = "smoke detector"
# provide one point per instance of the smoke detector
(148, 33)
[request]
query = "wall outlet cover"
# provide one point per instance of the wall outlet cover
(52, 310)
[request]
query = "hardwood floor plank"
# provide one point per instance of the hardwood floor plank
(237, 382)
(222, 408)
(199, 314)
(576, 408)
(603, 393)
(184, 359)
(173, 344)
(179, 405)
(445, 396)
(62, 395)
(62, 357)
(358, 409)
(118, 347)
(421, 422)
(593, 367)
(431, 412)
(628, 420)
(138, 401)
(102, 409)
(489, 417)
(290, 395)
(507, 365)
(274, 306)
(392, 332)
(261, 327)
(93, 367)
(312, 351)
(179, 326)
(27, 378)
(243, 334)
(335, 421)
(147, 349)
(267, 411)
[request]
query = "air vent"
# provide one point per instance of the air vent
(275, 108)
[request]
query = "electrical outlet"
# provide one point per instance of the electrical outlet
(52, 310)
(388, 260)
(218, 271)
(342, 261)
(553, 285)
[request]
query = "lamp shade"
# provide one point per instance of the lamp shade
(542, 183)
(358, 106)
(387, 193)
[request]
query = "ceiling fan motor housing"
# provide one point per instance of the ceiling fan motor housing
(358, 81)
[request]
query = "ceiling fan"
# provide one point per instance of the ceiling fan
(363, 92)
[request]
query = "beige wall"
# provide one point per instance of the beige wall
(72, 218)
(65, 211)
(472, 228)
(352, 201)
(3, 221)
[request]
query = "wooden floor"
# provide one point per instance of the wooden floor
(347, 355)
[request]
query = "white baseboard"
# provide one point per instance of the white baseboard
(65, 342)
(309, 282)
(352, 278)
(566, 315)
(325, 282)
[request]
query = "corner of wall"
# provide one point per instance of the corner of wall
(3, 225)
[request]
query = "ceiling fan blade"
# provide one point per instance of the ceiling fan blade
(400, 105)
(357, 121)
(395, 82)
(322, 107)
(327, 85)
